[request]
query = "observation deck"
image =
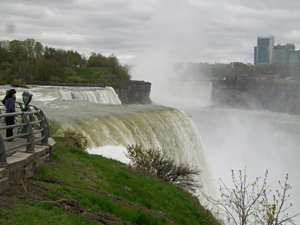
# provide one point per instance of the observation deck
(32, 146)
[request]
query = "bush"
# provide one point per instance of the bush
(157, 163)
(73, 79)
(18, 83)
(69, 72)
(79, 139)
(55, 79)
(56, 130)
(54, 127)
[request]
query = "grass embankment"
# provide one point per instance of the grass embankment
(78, 188)
(96, 75)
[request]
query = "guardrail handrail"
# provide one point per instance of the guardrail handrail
(28, 121)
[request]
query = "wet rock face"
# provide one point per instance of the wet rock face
(135, 92)
(278, 97)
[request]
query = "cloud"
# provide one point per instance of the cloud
(192, 30)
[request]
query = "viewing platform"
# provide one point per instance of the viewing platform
(32, 146)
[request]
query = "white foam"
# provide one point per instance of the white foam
(111, 151)
(46, 98)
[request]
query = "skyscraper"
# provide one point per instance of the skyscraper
(282, 54)
(294, 57)
(264, 51)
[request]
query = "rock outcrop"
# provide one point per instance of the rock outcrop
(135, 92)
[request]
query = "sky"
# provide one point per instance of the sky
(174, 30)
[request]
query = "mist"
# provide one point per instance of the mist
(174, 35)
(257, 140)
(234, 139)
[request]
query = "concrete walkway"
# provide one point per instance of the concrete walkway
(9, 144)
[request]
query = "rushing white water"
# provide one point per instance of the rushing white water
(110, 128)
(169, 130)
(200, 90)
(99, 95)
(183, 94)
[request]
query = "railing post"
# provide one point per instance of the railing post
(30, 137)
(44, 124)
(30, 116)
(2, 153)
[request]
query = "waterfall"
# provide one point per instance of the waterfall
(101, 95)
(192, 89)
(169, 130)
(183, 94)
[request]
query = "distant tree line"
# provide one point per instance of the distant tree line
(29, 61)
(118, 73)
(196, 71)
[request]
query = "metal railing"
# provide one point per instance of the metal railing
(33, 127)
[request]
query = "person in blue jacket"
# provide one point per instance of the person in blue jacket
(9, 102)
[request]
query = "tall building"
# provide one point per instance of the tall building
(294, 57)
(264, 51)
(282, 54)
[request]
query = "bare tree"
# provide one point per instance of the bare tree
(248, 203)
(274, 211)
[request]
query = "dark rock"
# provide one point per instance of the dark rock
(135, 92)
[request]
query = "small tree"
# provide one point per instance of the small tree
(156, 162)
(274, 211)
(247, 203)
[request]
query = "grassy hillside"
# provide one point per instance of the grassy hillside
(96, 75)
(105, 76)
(78, 188)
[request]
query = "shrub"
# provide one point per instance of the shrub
(18, 83)
(54, 127)
(56, 130)
(69, 72)
(79, 139)
(157, 163)
(73, 79)
(55, 79)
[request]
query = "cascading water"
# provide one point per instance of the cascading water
(114, 126)
(167, 129)
(200, 90)
(183, 94)
(100, 95)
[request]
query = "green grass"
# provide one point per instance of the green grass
(104, 186)
(25, 212)
(94, 74)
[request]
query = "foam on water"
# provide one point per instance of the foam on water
(111, 151)
(101, 95)
(98, 95)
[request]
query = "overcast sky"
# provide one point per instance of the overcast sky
(180, 30)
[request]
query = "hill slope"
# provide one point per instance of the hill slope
(78, 188)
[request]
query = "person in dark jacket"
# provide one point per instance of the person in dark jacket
(9, 102)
